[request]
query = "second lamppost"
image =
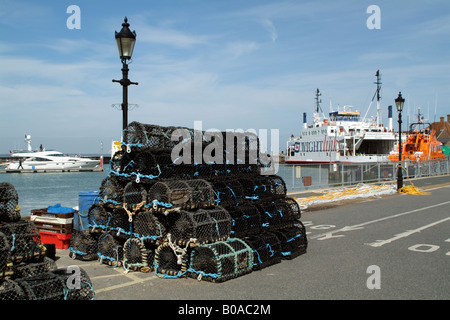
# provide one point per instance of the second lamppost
(125, 43)
(399, 102)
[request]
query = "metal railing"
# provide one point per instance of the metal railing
(317, 176)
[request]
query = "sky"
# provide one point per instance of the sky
(249, 64)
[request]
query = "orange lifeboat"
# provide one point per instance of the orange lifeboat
(420, 145)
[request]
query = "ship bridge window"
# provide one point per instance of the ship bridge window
(40, 159)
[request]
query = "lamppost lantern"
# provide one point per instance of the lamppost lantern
(125, 41)
(399, 102)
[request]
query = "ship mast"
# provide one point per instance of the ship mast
(318, 101)
(378, 93)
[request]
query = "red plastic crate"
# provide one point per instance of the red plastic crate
(61, 241)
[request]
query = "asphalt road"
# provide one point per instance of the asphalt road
(394, 247)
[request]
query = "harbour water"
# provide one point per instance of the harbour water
(40, 190)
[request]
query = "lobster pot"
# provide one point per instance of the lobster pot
(290, 209)
(153, 136)
(59, 284)
(202, 193)
(23, 270)
(168, 194)
(110, 251)
(99, 218)
(114, 163)
(5, 257)
(10, 290)
(138, 256)
(24, 241)
(243, 146)
(77, 287)
(185, 194)
(83, 245)
(202, 225)
(9, 200)
(134, 196)
(264, 187)
(111, 190)
(293, 241)
(266, 249)
(147, 227)
(250, 170)
(119, 225)
(246, 220)
(138, 164)
(221, 260)
(163, 159)
(45, 286)
(228, 193)
(171, 261)
(271, 216)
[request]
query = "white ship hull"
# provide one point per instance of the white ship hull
(343, 136)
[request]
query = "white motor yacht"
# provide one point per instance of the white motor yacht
(48, 160)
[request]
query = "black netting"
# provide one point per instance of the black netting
(99, 218)
(76, 283)
(271, 216)
(221, 260)
(138, 256)
(119, 225)
(293, 241)
(9, 203)
(246, 220)
(24, 241)
(83, 245)
(266, 249)
(184, 194)
(23, 270)
(111, 190)
(228, 193)
(152, 136)
(11, 290)
(5, 257)
(171, 260)
(200, 226)
(147, 227)
(60, 284)
(134, 196)
(110, 250)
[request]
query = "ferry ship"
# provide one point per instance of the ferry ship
(343, 137)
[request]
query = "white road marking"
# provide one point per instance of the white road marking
(379, 243)
(330, 234)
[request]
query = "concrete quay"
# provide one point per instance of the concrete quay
(379, 248)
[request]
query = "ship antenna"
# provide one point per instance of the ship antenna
(378, 93)
(318, 101)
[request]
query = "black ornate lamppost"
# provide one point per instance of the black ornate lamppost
(399, 102)
(125, 43)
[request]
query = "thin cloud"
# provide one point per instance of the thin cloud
(170, 37)
(268, 25)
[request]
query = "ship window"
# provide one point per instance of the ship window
(40, 159)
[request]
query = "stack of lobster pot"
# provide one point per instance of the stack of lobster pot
(26, 273)
(188, 203)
